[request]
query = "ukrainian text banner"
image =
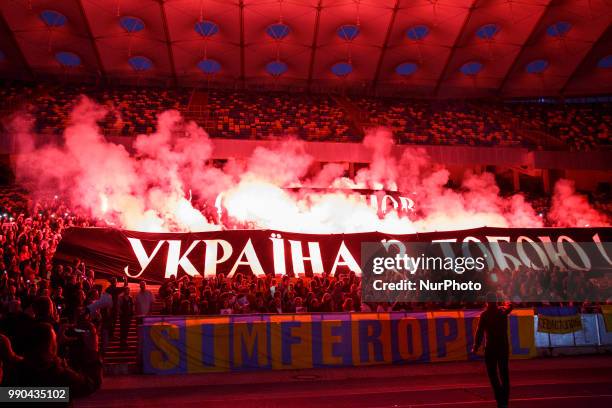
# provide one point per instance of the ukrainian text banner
(155, 256)
(193, 344)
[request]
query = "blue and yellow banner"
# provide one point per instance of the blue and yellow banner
(193, 344)
(559, 319)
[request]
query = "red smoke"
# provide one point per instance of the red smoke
(150, 189)
(570, 209)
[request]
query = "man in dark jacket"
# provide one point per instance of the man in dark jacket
(126, 312)
(115, 292)
(493, 327)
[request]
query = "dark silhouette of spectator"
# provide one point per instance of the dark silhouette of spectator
(42, 367)
(126, 312)
(493, 327)
(111, 320)
(58, 299)
(8, 357)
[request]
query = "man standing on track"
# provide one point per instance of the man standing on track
(493, 326)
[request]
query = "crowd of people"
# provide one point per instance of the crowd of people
(46, 336)
(261, 115)
(131, 110)
(248, 294)
(56, 320)
(579, 125)
(441, 122)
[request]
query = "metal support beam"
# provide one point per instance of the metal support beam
(604, 35)
(242, 62)
(385, 43)
(91, 38)
(4, 27)
(162, 10)
(455, 45)
(534, 31)
(315, 39)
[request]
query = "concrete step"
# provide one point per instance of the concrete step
(114, 353)
(117, 344)
(113, 369)
(133, 341)
(120, 359)
(131, 330)
(132, 348)
(129, 339)
(111, 346)
(120, 352)
(132, 336)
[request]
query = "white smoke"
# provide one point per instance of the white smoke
(150, 188)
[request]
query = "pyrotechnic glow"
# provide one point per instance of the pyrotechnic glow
(167, 185)
(103, 203)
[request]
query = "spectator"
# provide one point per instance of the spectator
(144, 300)
(8, 357)
(42, 367)
(114, 291)
(126, 313)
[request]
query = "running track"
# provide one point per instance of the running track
(554, 382)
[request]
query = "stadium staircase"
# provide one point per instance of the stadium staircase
(198, 99)
(353, 114)
(120, 361)
(360, 117)
(197, 110)
(534, 137)
(540, 138)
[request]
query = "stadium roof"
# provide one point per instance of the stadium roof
(415, 47)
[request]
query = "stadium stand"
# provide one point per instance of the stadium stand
(581, 126)
(131, 110)
(255, 116)
(440, 122)
(261, 115)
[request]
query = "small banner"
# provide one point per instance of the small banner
(606, 311)
(559, 320)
